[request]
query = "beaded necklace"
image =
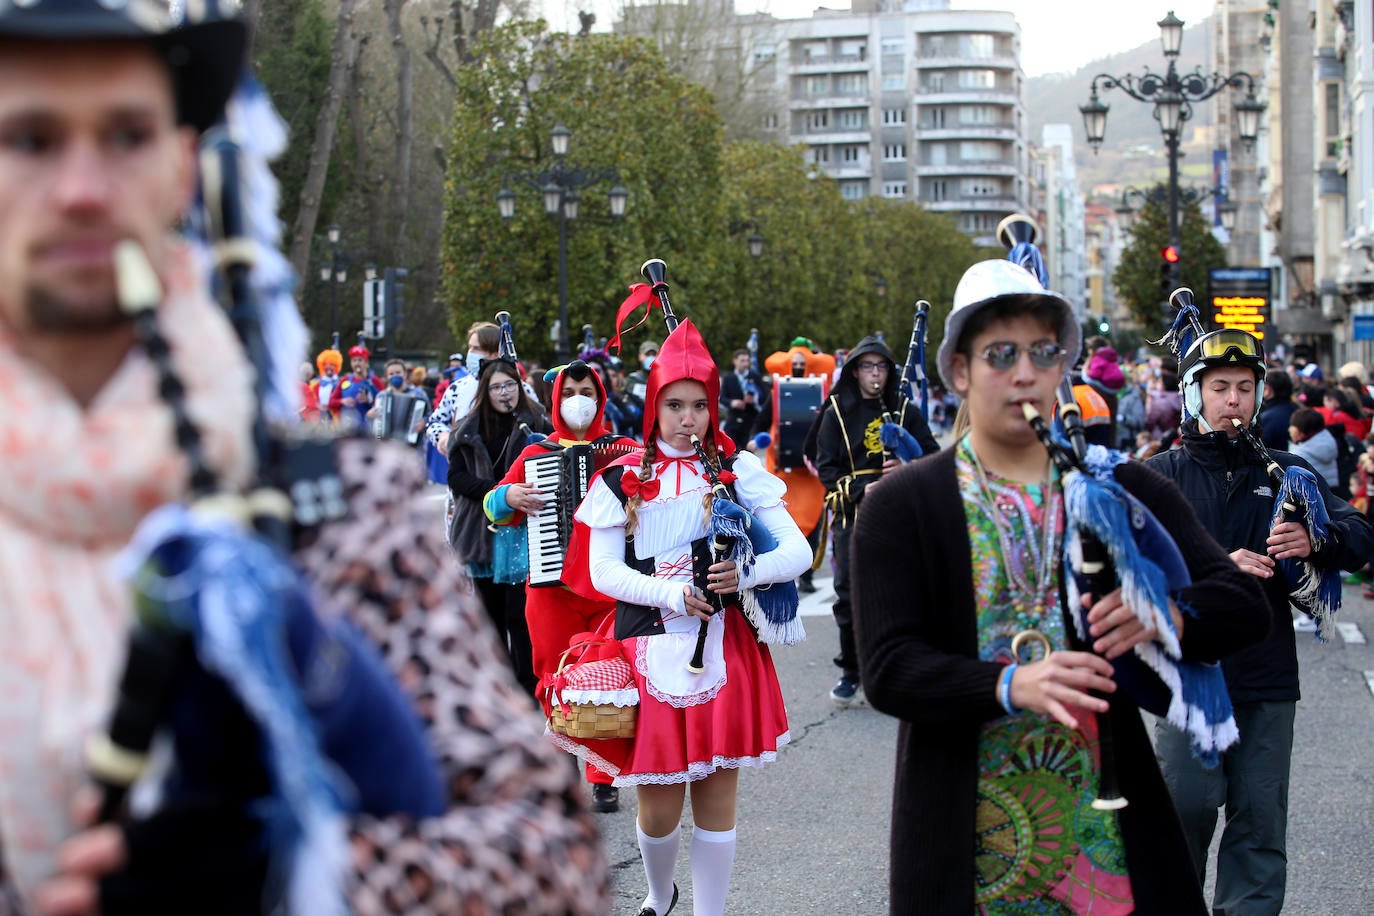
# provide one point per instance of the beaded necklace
(1031, 585)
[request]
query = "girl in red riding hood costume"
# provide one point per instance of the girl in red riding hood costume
(641, 531)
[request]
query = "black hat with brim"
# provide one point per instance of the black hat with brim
(204, 49)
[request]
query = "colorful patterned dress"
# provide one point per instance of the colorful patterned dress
(1041, 846)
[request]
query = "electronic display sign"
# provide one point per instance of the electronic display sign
(1240, 298)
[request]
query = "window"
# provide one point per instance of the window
(977, 79)
(893, 82)
(979, 114)
(770, 121)
(818, 120)
(818, 85)
(980, 151)
(894, 47)
(893, 116)
(853, 49)
(978, 222)
(938, 189)
(979, 187)
(894, 152)
(852, 84)
(1333, 119)
(853, 119)
(819, 155)
(894, 189)
(851, 154)
(935, 82)
(814, 51)
(765, 53)
(937, 118)
(853, 190)
(977, 46)
(934, 46)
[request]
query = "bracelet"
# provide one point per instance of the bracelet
(1004, 689)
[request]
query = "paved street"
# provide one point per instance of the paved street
(813, 826)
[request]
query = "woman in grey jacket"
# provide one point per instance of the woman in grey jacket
(481, 450)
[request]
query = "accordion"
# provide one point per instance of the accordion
(564, 476)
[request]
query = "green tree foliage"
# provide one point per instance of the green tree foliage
(1137, 278)
(626, 111)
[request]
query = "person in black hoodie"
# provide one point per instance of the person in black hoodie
(849, 456)
(1277, 409)
(1222, 377)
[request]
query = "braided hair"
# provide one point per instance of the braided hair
(646, 466)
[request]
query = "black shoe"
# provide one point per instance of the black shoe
(649, 911)
(805, 586)
(605, 799)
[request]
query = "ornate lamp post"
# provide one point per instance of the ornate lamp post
(335, 273)
(559, 187)
(1173, 94)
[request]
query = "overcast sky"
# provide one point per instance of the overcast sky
(1056, 35)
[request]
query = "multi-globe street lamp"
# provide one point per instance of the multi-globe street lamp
(560, 187)
(1173, 94)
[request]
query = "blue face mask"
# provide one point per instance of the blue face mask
(396, 380)
(473, 362)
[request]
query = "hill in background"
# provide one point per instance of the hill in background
(1132, 152)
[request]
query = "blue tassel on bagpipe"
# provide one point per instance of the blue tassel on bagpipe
(900, 442)
(1181, 335)
(770, 609)
(337, 735)
(1316, 592)
(1150, 569)
(1028, 255)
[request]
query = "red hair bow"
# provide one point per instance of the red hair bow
(632, 486)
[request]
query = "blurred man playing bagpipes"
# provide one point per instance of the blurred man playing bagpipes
(1017, 599)
(1282, 526)
(260, 755)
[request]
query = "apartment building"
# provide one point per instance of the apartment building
(910, 101)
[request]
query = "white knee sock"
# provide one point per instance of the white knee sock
(713, 858)
(659, 854)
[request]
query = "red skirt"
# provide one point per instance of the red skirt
(741, 726)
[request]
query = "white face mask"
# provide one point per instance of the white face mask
(578, 411)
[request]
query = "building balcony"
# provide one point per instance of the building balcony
(800, 102)
(814, 66)
(967, 133)
(849, 170)
(955, 169)
(950, 62)
(924, 95)
(971, 205)
(817, 137)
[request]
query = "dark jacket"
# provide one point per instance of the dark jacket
(473, 471)
(847, 452)
(916, 626)
(1273, 420)
(1234, 498)
(739, 424)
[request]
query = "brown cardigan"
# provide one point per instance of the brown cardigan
(914, 619)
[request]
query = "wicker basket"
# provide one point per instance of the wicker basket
(589, 720)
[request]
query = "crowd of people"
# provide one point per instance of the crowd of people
(615, 540)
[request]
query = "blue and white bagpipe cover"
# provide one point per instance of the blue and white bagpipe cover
(1150, 569)
(900, 442)
(1313, 590)
(770, 609)
(337, 735)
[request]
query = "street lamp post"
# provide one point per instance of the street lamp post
(335, 273)
(1133, 198)
(1173, 94)
(559, 187)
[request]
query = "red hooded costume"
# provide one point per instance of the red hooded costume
(556, 614)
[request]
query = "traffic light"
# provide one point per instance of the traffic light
(393, 285)
(1104, 325)
(1168, 259)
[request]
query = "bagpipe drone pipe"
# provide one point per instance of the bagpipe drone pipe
(1297, 496)
(732, 530)
(1112, 540)
(897, 442)
(268, 700)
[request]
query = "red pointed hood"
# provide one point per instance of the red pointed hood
(682, 356)
(560, 428)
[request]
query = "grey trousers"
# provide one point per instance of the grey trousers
(1251, 782)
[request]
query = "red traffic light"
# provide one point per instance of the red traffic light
(1169, 253)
